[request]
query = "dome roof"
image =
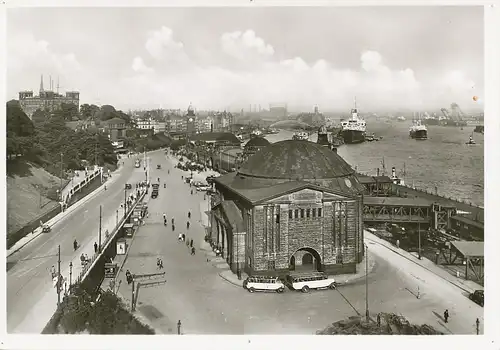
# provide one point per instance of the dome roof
(298, 160)
(257, 142)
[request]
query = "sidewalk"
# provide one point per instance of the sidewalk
(467, 286)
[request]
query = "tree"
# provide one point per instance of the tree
(68, 111)
(20, 131)
(88, 111)
(39, 116)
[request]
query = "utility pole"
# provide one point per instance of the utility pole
(419, 243)
(116, 217)
(132, 306)
(100, 227)
(70, 273)
(125, 203)
(366, 283)
(58, 284)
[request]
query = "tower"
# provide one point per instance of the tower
(41, 84)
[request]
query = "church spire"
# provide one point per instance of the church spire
(41, 83)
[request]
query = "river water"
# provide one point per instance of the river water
(443, 160)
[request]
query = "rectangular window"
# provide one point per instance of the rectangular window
(290, 214)
(296, 213)
(319, 212)
(301, 213)
(314, 212)
(308, 212)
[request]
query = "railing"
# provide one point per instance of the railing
(83, 183)
(89, 265)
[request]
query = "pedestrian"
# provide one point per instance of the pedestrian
(161, 264)
(192, 251)
(446, 316)
(164, 217)
(173, 227)
(53, 271)
(477, 326)
(95, 247)
(187, 243)
(183, 237)
(378, 320)
(189, 215)
(397, 243)
(187, 225)
(191, 243)
(158, 263)
(191, 192)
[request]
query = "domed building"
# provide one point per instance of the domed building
(292, 206)
(254, 145)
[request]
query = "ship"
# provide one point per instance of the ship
(401, 119)
(353, 129)
(300, 136)
(479, 129)
(418, 131)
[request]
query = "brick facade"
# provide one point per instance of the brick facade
(327, 226)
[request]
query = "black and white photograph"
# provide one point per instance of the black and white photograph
(248, 170)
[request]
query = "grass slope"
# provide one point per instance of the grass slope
(24, 202)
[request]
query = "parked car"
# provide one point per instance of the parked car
(310, 280)
(154, 194)
(477, 296)
(46, 228)
(264, 283)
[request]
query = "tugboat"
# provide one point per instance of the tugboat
(418, 131)
(397, 180)
(354, 129)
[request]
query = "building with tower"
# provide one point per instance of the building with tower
(47, 99)
(292, 206)
(190, 120)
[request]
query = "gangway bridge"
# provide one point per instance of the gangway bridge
(407, 210)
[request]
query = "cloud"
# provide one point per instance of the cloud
(245, 45)
(162, 46)
(253, 75)
(139, 66)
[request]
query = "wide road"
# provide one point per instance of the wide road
(206, 304)
(31, 297)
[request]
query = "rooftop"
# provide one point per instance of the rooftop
(296, 160)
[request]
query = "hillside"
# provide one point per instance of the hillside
(29, 192)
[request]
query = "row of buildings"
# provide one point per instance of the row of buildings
(178, 122)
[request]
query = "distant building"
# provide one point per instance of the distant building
(278, 110)
(115, 127)
(46, 100)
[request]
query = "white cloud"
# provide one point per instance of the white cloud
(245, 45)
(260, 78)
(161, 45)
(139, 66)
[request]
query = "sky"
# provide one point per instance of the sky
(228, 58)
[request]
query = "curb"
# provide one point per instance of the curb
(71, 209)
(426, 268)
(228, 280)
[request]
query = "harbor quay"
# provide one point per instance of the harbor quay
(203, 293)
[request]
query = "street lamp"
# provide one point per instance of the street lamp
(366, 283)
(70, 273)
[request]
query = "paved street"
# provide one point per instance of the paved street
(206, 304)
(31, 298)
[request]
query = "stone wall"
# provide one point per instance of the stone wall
(335, 236)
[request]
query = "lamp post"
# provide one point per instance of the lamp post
(419, 243)
(70, 273)
(179, 327)
(366, 283)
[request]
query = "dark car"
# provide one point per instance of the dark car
(158, 166)
(128, 186)
(477, 297)
(156, 186)
(154, 194)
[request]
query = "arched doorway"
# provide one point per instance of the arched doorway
(304, 260)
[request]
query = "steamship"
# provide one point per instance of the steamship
(353, 129)
(418, 131)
